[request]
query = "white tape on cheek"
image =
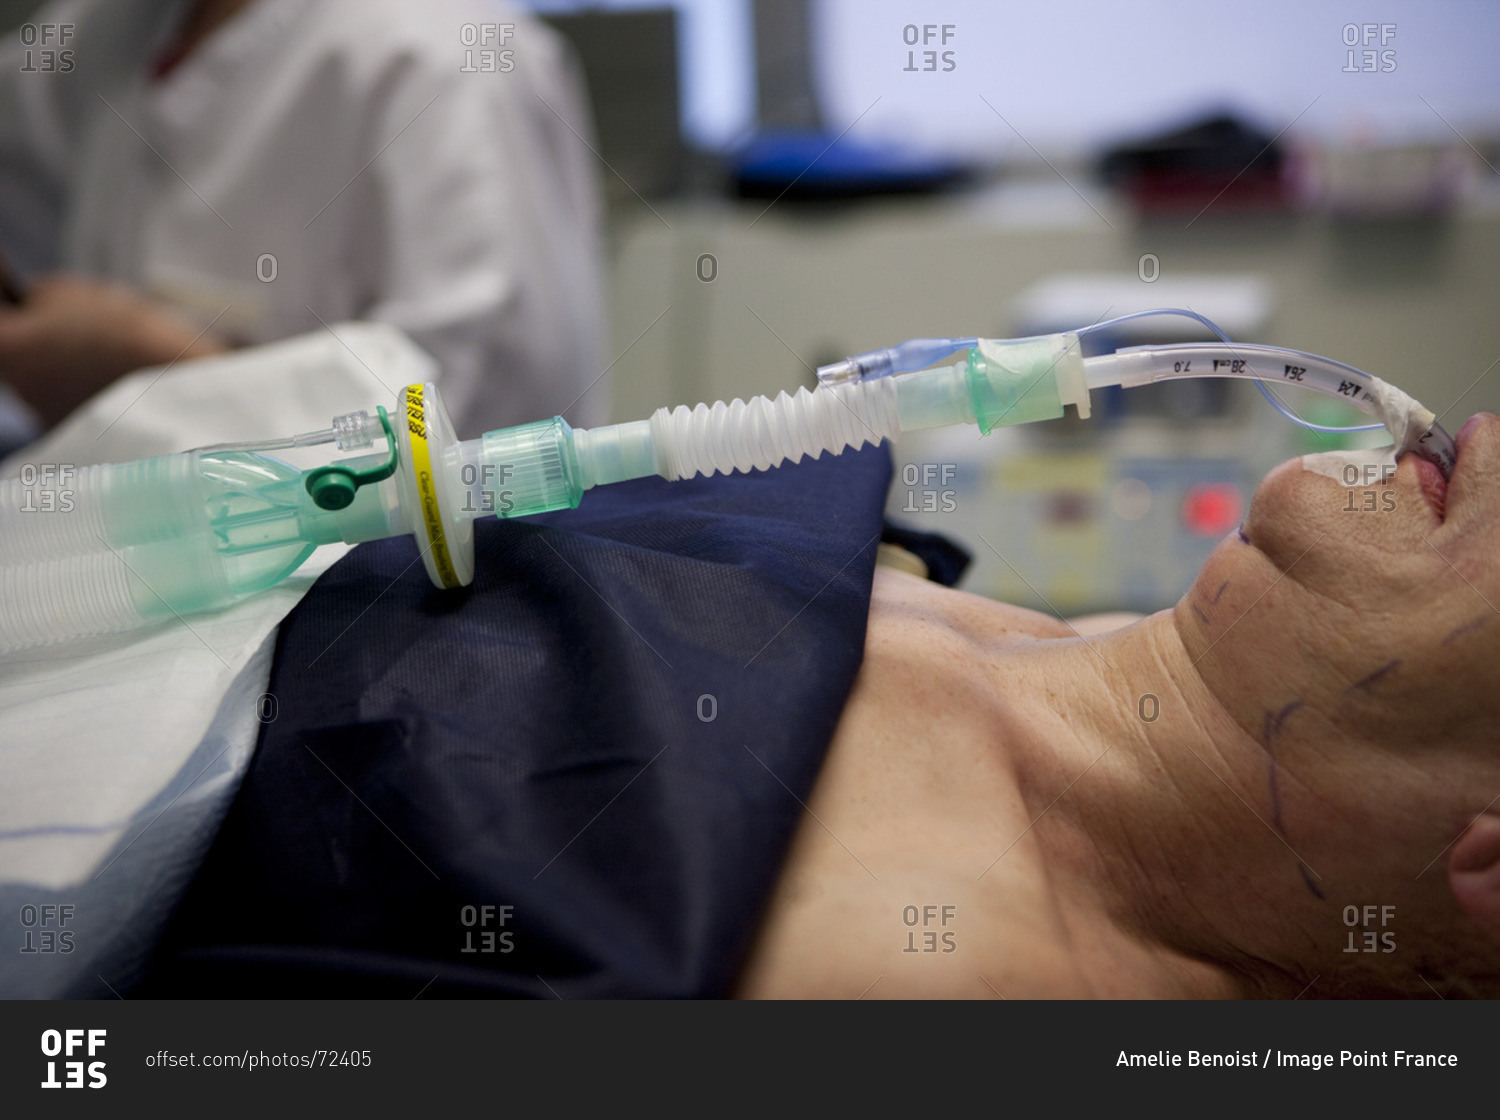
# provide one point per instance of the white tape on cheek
(1369, 467)
(1402, 415)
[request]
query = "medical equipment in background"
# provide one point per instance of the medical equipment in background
(199, 530)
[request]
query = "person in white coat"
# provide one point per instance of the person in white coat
(184, 176)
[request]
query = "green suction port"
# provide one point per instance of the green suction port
(333, 487)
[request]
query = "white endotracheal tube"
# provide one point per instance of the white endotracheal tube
(197, 531)
(1412, 427)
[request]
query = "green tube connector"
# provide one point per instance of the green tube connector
(1016, 381)
(530, 468)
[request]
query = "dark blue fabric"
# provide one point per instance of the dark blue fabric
(946, 561)
(610, 733)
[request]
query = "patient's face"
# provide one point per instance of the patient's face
(1385, 621)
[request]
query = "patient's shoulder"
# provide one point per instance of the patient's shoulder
(912, 872)
(903, 601)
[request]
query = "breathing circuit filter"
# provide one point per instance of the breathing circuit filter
(200, 530)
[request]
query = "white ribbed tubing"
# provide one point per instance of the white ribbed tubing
(99, 507)
(68, 597)
(761, 432)
(31, 531)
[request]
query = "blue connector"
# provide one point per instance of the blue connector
(908, 357)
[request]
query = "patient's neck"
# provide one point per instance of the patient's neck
(1211, 839)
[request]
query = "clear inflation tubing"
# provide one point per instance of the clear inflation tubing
(197, 531)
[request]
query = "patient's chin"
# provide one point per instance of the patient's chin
(1289, 511)
(1342, 501)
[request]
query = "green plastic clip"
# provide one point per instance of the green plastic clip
(333, 487)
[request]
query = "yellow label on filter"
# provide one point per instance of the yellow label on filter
(421, 465)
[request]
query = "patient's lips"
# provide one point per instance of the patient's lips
(1467, 430)
(1434, 485)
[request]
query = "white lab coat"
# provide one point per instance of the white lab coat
(355, 150)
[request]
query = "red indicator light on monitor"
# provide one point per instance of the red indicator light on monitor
(1212, 508)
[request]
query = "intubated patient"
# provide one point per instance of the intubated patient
(1284, 786)
(687, 740)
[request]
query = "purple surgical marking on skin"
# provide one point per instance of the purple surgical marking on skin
(1270, 730)
(1275, 721)
(1219, 594)
(1366, 682)
(1466, 628)
(1307, 878)
(1203, 618)
(1240, 532)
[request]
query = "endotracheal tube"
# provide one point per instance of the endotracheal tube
(197, 531)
